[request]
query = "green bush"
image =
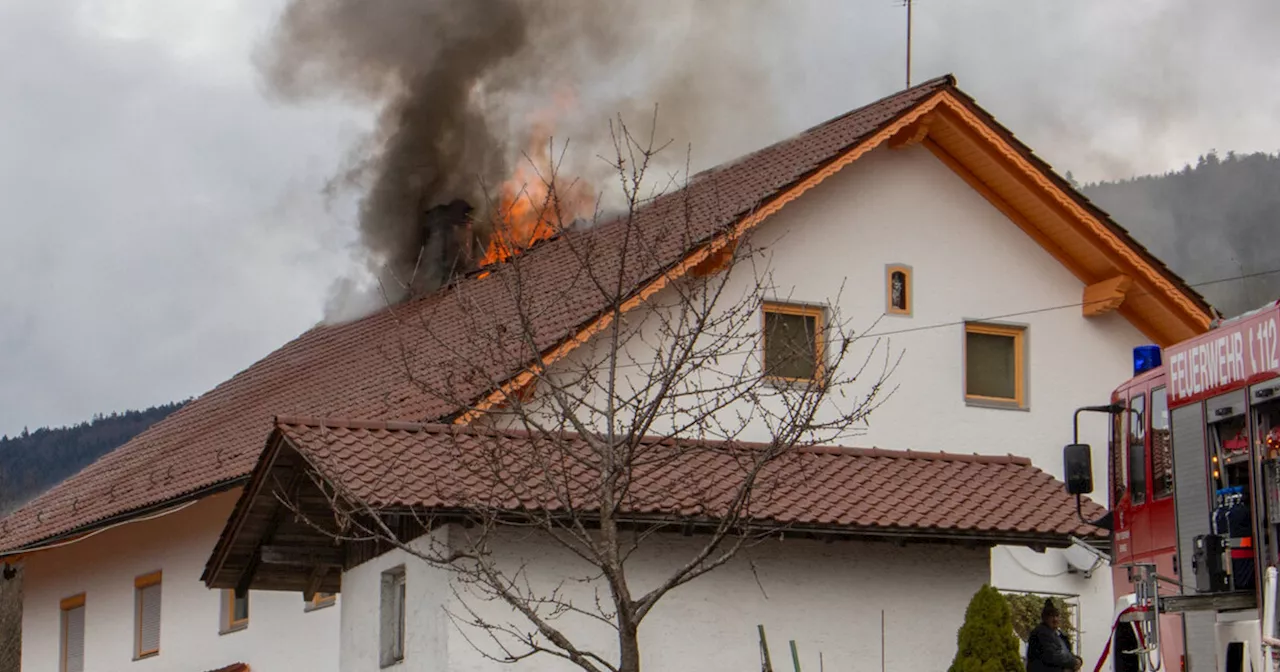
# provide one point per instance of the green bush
(986, 642)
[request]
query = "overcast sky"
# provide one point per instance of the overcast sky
(163, 219)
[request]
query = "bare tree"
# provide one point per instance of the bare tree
(670, 384)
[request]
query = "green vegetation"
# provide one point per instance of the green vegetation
(986, 642)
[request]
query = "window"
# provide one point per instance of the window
(320, 601)
(1136, 438)
(72, 639)
(793, 342)
(392, 617)
(897, 289)
(235, 612)
(994, 369)
(1161, 444)
(146, 609)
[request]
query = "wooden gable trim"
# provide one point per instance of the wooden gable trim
(700, 254)
(955, 112)
(1105, 296)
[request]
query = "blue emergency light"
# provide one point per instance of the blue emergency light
(1145, 358)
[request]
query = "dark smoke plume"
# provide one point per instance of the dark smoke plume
(459, 82)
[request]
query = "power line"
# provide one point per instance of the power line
(1034, 311)
(956, 323)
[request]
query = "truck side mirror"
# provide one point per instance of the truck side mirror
(1077, 467)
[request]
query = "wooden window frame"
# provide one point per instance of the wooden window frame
(1019, 335)
(229, 622)
(64, 606)
(889, 308)
(817, 312)
(319, 602)
(144, 581)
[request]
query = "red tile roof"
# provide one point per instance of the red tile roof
(356, 369)
(850, 490)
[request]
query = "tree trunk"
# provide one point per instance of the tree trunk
(628, 645)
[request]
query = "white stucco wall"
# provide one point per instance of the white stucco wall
(828, 597)
(280, 635)
(969, 262)
(427, 644)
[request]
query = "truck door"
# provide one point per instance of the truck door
(1122, 514)
(1135, 423)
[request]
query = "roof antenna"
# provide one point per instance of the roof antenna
(908, 4)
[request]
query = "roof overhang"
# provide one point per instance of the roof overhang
(284, 532)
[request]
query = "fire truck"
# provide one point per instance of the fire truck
(1194, 501)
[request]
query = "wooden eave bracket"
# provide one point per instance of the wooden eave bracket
(1103, 297)
(913, 134)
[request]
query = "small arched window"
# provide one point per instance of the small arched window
(898, 289)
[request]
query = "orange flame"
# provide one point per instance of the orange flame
(535, 201)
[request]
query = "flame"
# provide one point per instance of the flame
(536, 200)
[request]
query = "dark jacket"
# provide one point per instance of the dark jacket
(1047, 651)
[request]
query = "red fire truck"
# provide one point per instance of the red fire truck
(1194, 501)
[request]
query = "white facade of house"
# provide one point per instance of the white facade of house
(828, 597)
(969, 262)
(280, 635)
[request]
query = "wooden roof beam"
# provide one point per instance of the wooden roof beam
(1103, 297)
(913, 134)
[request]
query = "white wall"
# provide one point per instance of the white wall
(280, 636)
(827, 597)
(969, 262)
(426, 629)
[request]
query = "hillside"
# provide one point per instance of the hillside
(32, 462)
(1218, 219)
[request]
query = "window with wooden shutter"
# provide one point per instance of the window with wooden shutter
(72, 640)
(147, 615)
(392, 617)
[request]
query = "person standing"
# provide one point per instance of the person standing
(1047, 647)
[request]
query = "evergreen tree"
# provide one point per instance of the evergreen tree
(986, 642)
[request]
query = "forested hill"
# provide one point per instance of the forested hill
(32, 462)
(1217, 219)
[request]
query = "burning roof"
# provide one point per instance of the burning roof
(358, 369)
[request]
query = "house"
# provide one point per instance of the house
(850, 534)
(1013, 301)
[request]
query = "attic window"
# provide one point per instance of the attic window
(995, 365)
(897, 281)
(793, 342)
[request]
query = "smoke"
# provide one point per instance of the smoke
(460, 88)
